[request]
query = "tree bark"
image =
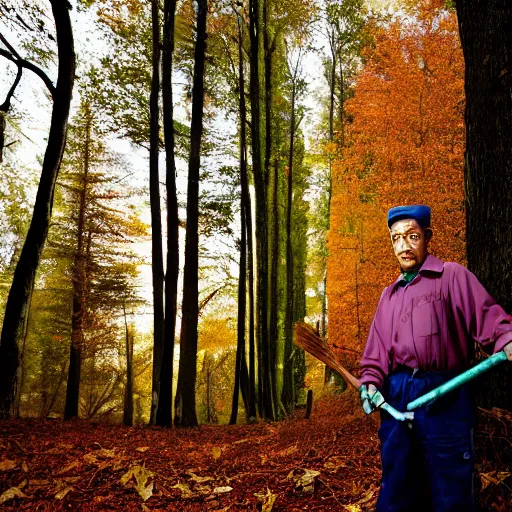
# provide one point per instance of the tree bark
(486, 37)
(185, 406)
(164, 414)
(16, 311)
(157, 265)
(128, 390)
(264, 384)
(242, 276)
(246, 205)
(79, 286)
(288, 395)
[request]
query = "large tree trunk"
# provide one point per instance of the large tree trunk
(16, 311)
(157, 265)
(242, 276)
(186, 394)
(486, 36)
(264, 383)
(79, 286)
(164, 414)
(246, 206)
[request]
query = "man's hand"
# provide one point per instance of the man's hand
(508, 350)
(366, 392)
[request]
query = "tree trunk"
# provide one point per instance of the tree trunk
(486, 42)
(288, 397)
(240, 347)
(246, 205)
(157, 265)
(264, 384)
(79, 286)
(186, 394)
(16, 311)
(164, 414)
(128, 390)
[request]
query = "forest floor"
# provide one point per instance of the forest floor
(329, 462)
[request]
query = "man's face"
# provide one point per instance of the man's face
(409, 243)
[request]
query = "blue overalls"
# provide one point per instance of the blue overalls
(427, 463)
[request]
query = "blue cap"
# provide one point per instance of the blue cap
(418, 212)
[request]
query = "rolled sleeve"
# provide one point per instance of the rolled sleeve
(487, 322)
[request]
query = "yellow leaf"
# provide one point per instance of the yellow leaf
(142, 449)
(493, 477)
(62, 494)
(69, 467)
(221, 490)
(199, 479)
(185, 490)
(216, 452)
(267, 500)
(141, 477)
(352, 508)
(306, 481)
(10, 494)
(6, 465)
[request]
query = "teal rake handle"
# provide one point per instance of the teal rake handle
(379, 402)
(468, 375)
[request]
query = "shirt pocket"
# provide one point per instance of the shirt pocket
(425, 315)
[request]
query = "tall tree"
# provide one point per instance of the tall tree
(486, 37)
(157, 263)
(91, 233)
(185, 406)
(18, 302)
(164, 413)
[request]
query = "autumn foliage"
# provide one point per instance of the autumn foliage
(404, 144)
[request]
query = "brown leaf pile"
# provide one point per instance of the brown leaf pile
(330, 462)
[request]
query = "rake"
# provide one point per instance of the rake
(307, 338)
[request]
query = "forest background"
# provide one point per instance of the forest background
(226, 173)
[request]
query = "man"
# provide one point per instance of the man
(421, 336)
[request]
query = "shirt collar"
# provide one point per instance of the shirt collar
(431, 264)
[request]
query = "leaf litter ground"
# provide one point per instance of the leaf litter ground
(330, 462)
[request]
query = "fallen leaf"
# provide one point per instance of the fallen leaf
(141, 477)
(24, 467)
(216, 452)
(142, 449)
(39, 483)
(90, 458)
(220, 490)
(493, 477)
(305, 481)
(267, 500)
(62, 494)
(6, 465)
(105, 454)
(185, 490)
(199, 479)
(287, 451)
(10, 494)
(352, 508)
(69, 467)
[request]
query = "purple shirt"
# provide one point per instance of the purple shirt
(430, 323)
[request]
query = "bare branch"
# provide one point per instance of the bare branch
(13, 56)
